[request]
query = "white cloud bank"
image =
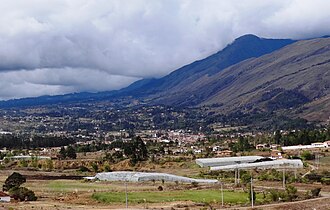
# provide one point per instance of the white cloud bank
(61, 46)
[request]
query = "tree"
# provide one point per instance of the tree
(14, 180)
(62, 153)
(71, 152)
(140, 148)
(136, 150)
(277, 137)
(95, 167)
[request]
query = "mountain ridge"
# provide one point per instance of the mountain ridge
(251, 74)
(146, 87)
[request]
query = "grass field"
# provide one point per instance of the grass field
(199, 196)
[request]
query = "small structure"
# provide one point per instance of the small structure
(4, 197)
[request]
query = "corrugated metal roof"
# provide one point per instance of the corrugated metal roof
(207, 162)
(276, 164)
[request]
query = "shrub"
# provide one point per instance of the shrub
(274, 195)
(23, 194)
(316, 192)
(194, 184)
(291, 192)
(246, 178)
(325, 181)
(314, 177)
(307, 155)
(83, 169)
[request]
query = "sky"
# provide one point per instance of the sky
(62, 46)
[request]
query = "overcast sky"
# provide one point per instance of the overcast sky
(61, 46)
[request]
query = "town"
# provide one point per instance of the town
(43, 144)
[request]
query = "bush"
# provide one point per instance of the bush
(316, 192)
(274, 195)
(314, 177)
(306, 155)
(325, 180)
(83, 169)
(291, 192)
(194, 184)
(246, 178)
(22, 193)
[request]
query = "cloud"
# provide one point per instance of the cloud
(38, 82)
(61, 46)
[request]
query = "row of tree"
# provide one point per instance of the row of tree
(304, 137)
(26, 142)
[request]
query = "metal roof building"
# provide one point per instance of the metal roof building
(210, 162)
(275, 164)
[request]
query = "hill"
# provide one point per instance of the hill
(295, 77)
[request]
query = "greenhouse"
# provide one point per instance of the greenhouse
(209, 162)
(146, 176)
(275, 164)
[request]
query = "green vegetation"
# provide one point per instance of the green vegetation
(304, 137)
(13, 181)
(13, 186)
(208, 196)
(289, 194)
(27, 142)
(22, 193)
(69, 152)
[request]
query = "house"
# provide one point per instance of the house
(326, 144)
(224, 153)
(4, 197)
(262, 146)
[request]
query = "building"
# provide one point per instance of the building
(317, 145)
(209, 162)
(274, 164)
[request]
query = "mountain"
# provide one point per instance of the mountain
(294, 78)
(252, 75)
(245, 47)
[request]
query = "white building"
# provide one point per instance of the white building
(209, 162)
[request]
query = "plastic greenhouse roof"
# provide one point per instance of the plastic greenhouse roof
(146, 176)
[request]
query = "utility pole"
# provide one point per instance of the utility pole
(238, 176)
(284, 178)
(221, 193)
(252, 192)
(126, 196)
(317, 161)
